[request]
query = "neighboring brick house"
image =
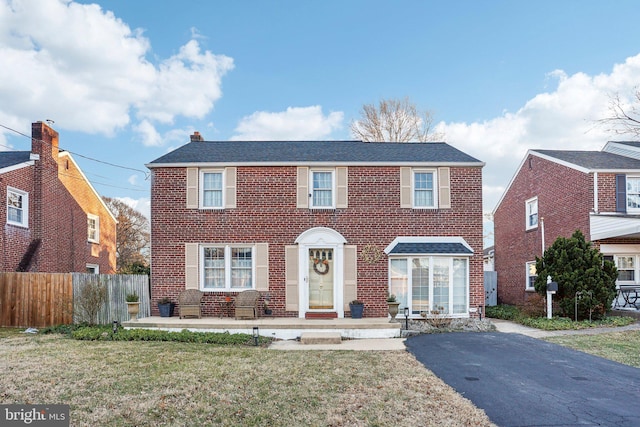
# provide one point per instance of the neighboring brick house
(54, 221)
(553, 194)
(314, 225)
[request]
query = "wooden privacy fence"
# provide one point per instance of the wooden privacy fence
(48, 299)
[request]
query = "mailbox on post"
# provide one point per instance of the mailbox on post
(552, 288)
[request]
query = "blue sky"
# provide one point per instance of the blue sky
(126, 81)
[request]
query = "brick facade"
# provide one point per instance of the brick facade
(59, 201)
(266, 211)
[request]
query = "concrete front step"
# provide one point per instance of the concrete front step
(321, 338)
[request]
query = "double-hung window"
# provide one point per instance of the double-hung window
(322, 194)
(531, 207)
(227, 267)
(424, 189)
(633, 193)
(431, 285)
(212, 189)
(17, 207)
(532, 275)
(626, 268)
(93, 228)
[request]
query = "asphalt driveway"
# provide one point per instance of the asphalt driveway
(523, 381)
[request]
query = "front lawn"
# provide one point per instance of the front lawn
(622, 347)
(144, 383)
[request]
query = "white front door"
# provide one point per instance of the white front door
(321, 279)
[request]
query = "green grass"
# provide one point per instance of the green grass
(622, 347)
(151, 383)
(513, 313)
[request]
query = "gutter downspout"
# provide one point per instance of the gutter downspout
(595, 192)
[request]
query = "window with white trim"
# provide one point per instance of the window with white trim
(93, 228)
(531, 207)
(633, 193)
(227, 267)
(532, 275)
(322, 189)
(211, 189)
(431, 283)
(626, 265)
(17, 207)
(93, 268)
(424, 189)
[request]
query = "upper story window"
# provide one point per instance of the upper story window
(633, 193)
(211, 190)
(227, 267)
(93, 228)
(532, 275)
(17, 207)
(322, 192)
(424, 189)
(531, 207)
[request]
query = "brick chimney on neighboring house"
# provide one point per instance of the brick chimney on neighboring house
(196, 136)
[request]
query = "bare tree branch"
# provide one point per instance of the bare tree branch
(394, 120)
(623, 119)
(132, 234)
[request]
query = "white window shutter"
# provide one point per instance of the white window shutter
(342, 194)
(303, 188)
(405, 188)
(291, 277)
(350, 274)
(191, 252)
(192, 188)
(230, 187)
(262, 266)
(444, 188)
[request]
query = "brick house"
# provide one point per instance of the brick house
(553, 194)
(314, 225)
(54, 220)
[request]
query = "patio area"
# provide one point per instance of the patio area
(284, 328)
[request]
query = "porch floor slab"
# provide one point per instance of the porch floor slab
(286, 328)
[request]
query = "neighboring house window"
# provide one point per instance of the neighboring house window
(211, 190)
(322, 189)
(430, 284)
(532, 213)
(227, 268)
(633, 193)
(424, 189)
(626, 265)
(93, 228)
(93, 268)
(531, 276)
(17, 207)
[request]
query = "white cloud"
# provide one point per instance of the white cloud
(303, 123)
(148, 134)
(133, 180)
(142, 205)
(561, 119)
(93, 68)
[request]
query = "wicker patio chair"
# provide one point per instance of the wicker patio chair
(189, 303)
(247, 305)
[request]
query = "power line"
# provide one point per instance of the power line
(146, 176)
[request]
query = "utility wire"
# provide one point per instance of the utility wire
(146, 176)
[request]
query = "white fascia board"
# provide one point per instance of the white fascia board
(67, 154)
(17, 166)
(542, 156)
(317, 164)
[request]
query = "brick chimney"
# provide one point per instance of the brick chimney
(44, 141)
(196, 137)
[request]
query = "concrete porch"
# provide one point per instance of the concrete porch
(285, 328)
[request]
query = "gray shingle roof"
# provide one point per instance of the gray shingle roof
(430, 248)
(313, 151)
(11, 158)
(593, 159)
